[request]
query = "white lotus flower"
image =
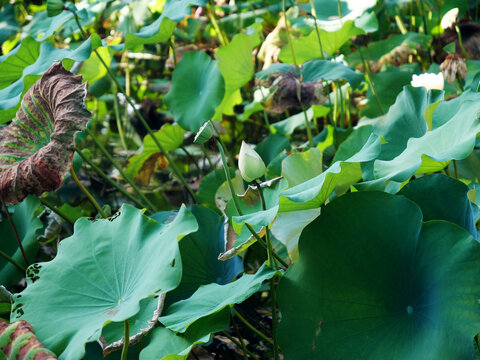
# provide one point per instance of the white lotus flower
(428, 80)
(449, 19)
(250, 164)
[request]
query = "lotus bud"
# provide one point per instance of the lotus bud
(250, 163)
(429, 81)
(449, 19)
(452, 67)
(54, 7)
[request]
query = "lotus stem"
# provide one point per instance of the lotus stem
(222, 37)
(231, 338)
(56, 210)
(87, 193)
(307, 125)
(369, 80)
(126, 339)
(242, 343)
(15, 232)
(118, 119)
(287, 29)
(455, 165)
(253, 328)
(460, 43)
(12, 261)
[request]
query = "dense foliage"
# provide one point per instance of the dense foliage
(253, 179)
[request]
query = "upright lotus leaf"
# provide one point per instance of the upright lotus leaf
(12, 88)
(197, 89)
(454, 139)
(387, 286)
(162, 28)
(36, 149)
(330, 70)
(18, 341)
(212, 298)
(236, 63)
(27, 225)
(101, 274)
(168, 345)
(169, 136)
(442, 198)
(302, 166)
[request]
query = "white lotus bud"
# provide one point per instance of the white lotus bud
(449, 19)
(428, 80)
(250, 164)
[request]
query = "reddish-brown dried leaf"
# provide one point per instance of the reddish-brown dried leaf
(36, 149)
(17, 341)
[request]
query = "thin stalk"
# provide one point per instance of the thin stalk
(232, 339)
(242, 343)
(172, 46)
(13, 261)
(400, 24)
(222, 38)
(237, 205)
(192, 160)
(126, 339)
(307, 125)
(272, 263)
(339, 9)
(335, 104)
(113, 183)
(349, 115)
(56, 210)
(142, 119)
(287, 29)
(15, 232)
(87, 193)
(460, 43)
(253, 328)
(202, 146)
(455, 165)
(314, 15)
(118, 119)
(342, 106)
(120, 170)
(369, 81)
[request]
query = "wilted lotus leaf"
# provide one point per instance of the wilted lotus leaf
(287, 91)
(36, 149)
(19, 342)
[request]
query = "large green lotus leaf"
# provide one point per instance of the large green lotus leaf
(236, 65)
(453, 140)
(211, 298)
(101, 274)
(388, 84)
(380, 288)
(441, 197)
(316, 70)
(169, 136)
(197, 89)
(42, 26)
(36, 148)
(302, 166)
(209, 185)
(27, 64)
(27, 225)
(168, 345)
(353, 143)
(312, 193)
(199, 252)
(162, 28)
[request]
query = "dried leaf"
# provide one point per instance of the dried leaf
(36, 149)
(17, 341)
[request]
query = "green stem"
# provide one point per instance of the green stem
(140, 116)
(208, 157)
(126, 339)
(253, 328)
(455, 165)
(222, 38)
(172, 46)
(314, 15)
(237, 205)
(113, 183)
(13, 261)
(369, 81)
(287, 29)
(274, 317)
(231, 338)
(460, 43)
(120, 170)
(15, 232)
(56, 210)
(307, 125)
(87, 193)
(118, 119)
(242, 343)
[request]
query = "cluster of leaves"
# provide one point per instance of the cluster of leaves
(361, 235)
